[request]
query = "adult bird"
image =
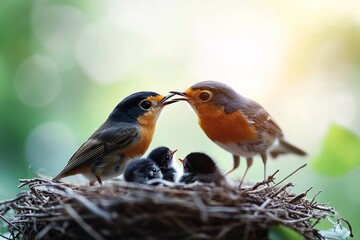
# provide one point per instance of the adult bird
(126, 134)
(201, 168)
(141, 170)
(237, 124)
(163, 158)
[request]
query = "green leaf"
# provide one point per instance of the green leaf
(340, 152)
(3, 229)
(281, 232)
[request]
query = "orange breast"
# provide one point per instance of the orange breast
(225, 128)
(139, 148)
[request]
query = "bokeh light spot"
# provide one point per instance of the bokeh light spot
(37, 81)
(149, 20)
(58, 28)
(247, 53)
(105, 53)
(49, 146)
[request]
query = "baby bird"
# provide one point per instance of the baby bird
(141, 170)
(163, 156)
(200, 167)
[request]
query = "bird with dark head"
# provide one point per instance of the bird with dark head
(237, 124)
(141, 170)
(126, 134)
(200, 167)
(163, 156)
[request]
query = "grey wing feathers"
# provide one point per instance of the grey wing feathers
(255, 113)
(110, 133)
(104, 141)
(262, 119)
(258, 116)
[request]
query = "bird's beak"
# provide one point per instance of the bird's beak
(181, 160)
(164, 101)
(173, 152)
(184, 98)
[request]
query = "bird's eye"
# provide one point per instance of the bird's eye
(205, 96)
(154, 170)
(145, 105)
(167, 157)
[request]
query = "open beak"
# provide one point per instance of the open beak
(181, 160)
(184, 98)
(165, 100)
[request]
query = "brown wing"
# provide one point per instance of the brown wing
(258, 116)
(108, 138)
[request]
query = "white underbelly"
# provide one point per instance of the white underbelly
(246, 150)
(237, 149)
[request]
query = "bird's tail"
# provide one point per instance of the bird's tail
(58, 177)
(285, 147)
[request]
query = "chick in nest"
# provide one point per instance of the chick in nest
(202, 168)
(163, 158)
(141, 170)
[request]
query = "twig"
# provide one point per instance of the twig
(226, 230)
(45, 230)
(282, 189)
(201, 206)
(315, 223)
(289, 175)
(20, 196)
(324, 208)
(86, 203)
(4, 237)
(300, 196)
(12, 225)
(349, 225)
(187, 211)
(266, 181)
(87, 228)
(313, 199)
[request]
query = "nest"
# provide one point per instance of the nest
(120, 210)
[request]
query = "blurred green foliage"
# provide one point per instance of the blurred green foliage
(299, 59)
(340, 152)
(3, 228)
(281, 232)
(15, 120)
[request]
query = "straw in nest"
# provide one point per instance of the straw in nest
(121, 210)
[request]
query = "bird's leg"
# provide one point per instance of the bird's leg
(264, 159)
(92, 183)
(98, 179)
(236, 164)
(249, 162)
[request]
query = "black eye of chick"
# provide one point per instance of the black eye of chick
(146, 105)
(204, 96)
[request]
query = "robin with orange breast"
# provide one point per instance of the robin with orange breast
(126, 134)
(237, 124)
